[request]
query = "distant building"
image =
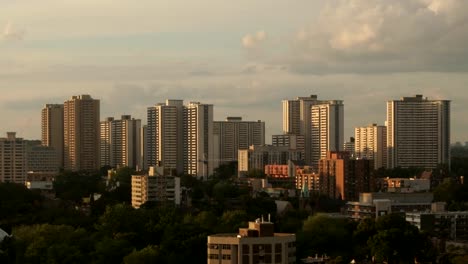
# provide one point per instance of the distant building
(12, 159)
(344, 178)
(156, 186)
(234, 134)
(291, 141)
(321, 123)
(406, 185)
(371, 144)
(307, 179)
(257, 157)
(256, 244)
(349, 146)
(81, 133)
(446, 225)
(120, 142)
(418, 132)
(52, 129)
(374, 205)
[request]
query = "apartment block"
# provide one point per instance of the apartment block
(256, 244)
(233, 134)
(81, 133)
(371, 143)
(12, 159)
(418, 132)
(120, 142)
(52, 129)
(156, 186)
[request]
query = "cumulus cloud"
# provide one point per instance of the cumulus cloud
(11, 33)
(384, 36)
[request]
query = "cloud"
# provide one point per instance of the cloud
(11, 33)
(251, 41)
(369, 36)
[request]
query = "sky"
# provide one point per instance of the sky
(242, 56)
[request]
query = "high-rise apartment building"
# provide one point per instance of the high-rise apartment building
(180, 138)
(418, 132)
(292, 141)
(327, 126)
(120, 142)
(199, 159)
(234, 134)
(164, 135)
(81, 133)
(342, 177)
(52, 129)
(319, 121)
(371, 143)
(12, 159)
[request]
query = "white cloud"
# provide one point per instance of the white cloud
(367, 36)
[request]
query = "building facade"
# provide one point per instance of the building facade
(319, 121)
(371, 143)
(256, 244)
(344, 178)
(257, 157)
(120, 142)
(52, 129)
(418, 132)
(165, 135)
(81, 133)
(156, 186)
(199, 159)
(12, 159)
(292, 141)
(234, 134)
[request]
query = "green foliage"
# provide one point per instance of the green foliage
(148, 255)
(73, 186)
(256, 173)
(17, 203)
(226, 171)
(453, 193)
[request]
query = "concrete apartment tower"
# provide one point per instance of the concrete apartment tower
(321, 123)
(418, 132)
(164, 136)
(81, 133)
(371, 143)
(199, 159)
(13, 159)
(234, 134)
(52, 129)
(120, 142)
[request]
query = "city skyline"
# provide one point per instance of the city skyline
(237, 56)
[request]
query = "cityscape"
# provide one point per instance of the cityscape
(326, 132)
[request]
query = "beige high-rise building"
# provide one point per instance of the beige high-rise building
(52, 129)
(13, 159)
(418, 132)
(319, 121)
(199, 159)
(81, 133)
(371, 143)
(327, 129)
(120, 142)
(164, 136)
(234, 134)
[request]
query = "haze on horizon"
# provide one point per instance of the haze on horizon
(242, 56)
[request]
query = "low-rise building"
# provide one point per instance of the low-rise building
(373, 205)
(156, 186)
(406, 185)
(446, 225)
(256, 244)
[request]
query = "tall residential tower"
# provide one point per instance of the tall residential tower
(52, 129)
(418, 132)
(81, 133)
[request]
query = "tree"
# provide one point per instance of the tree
(148, 255)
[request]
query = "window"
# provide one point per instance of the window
(213, 256)
(226, 246)
(228, 257)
